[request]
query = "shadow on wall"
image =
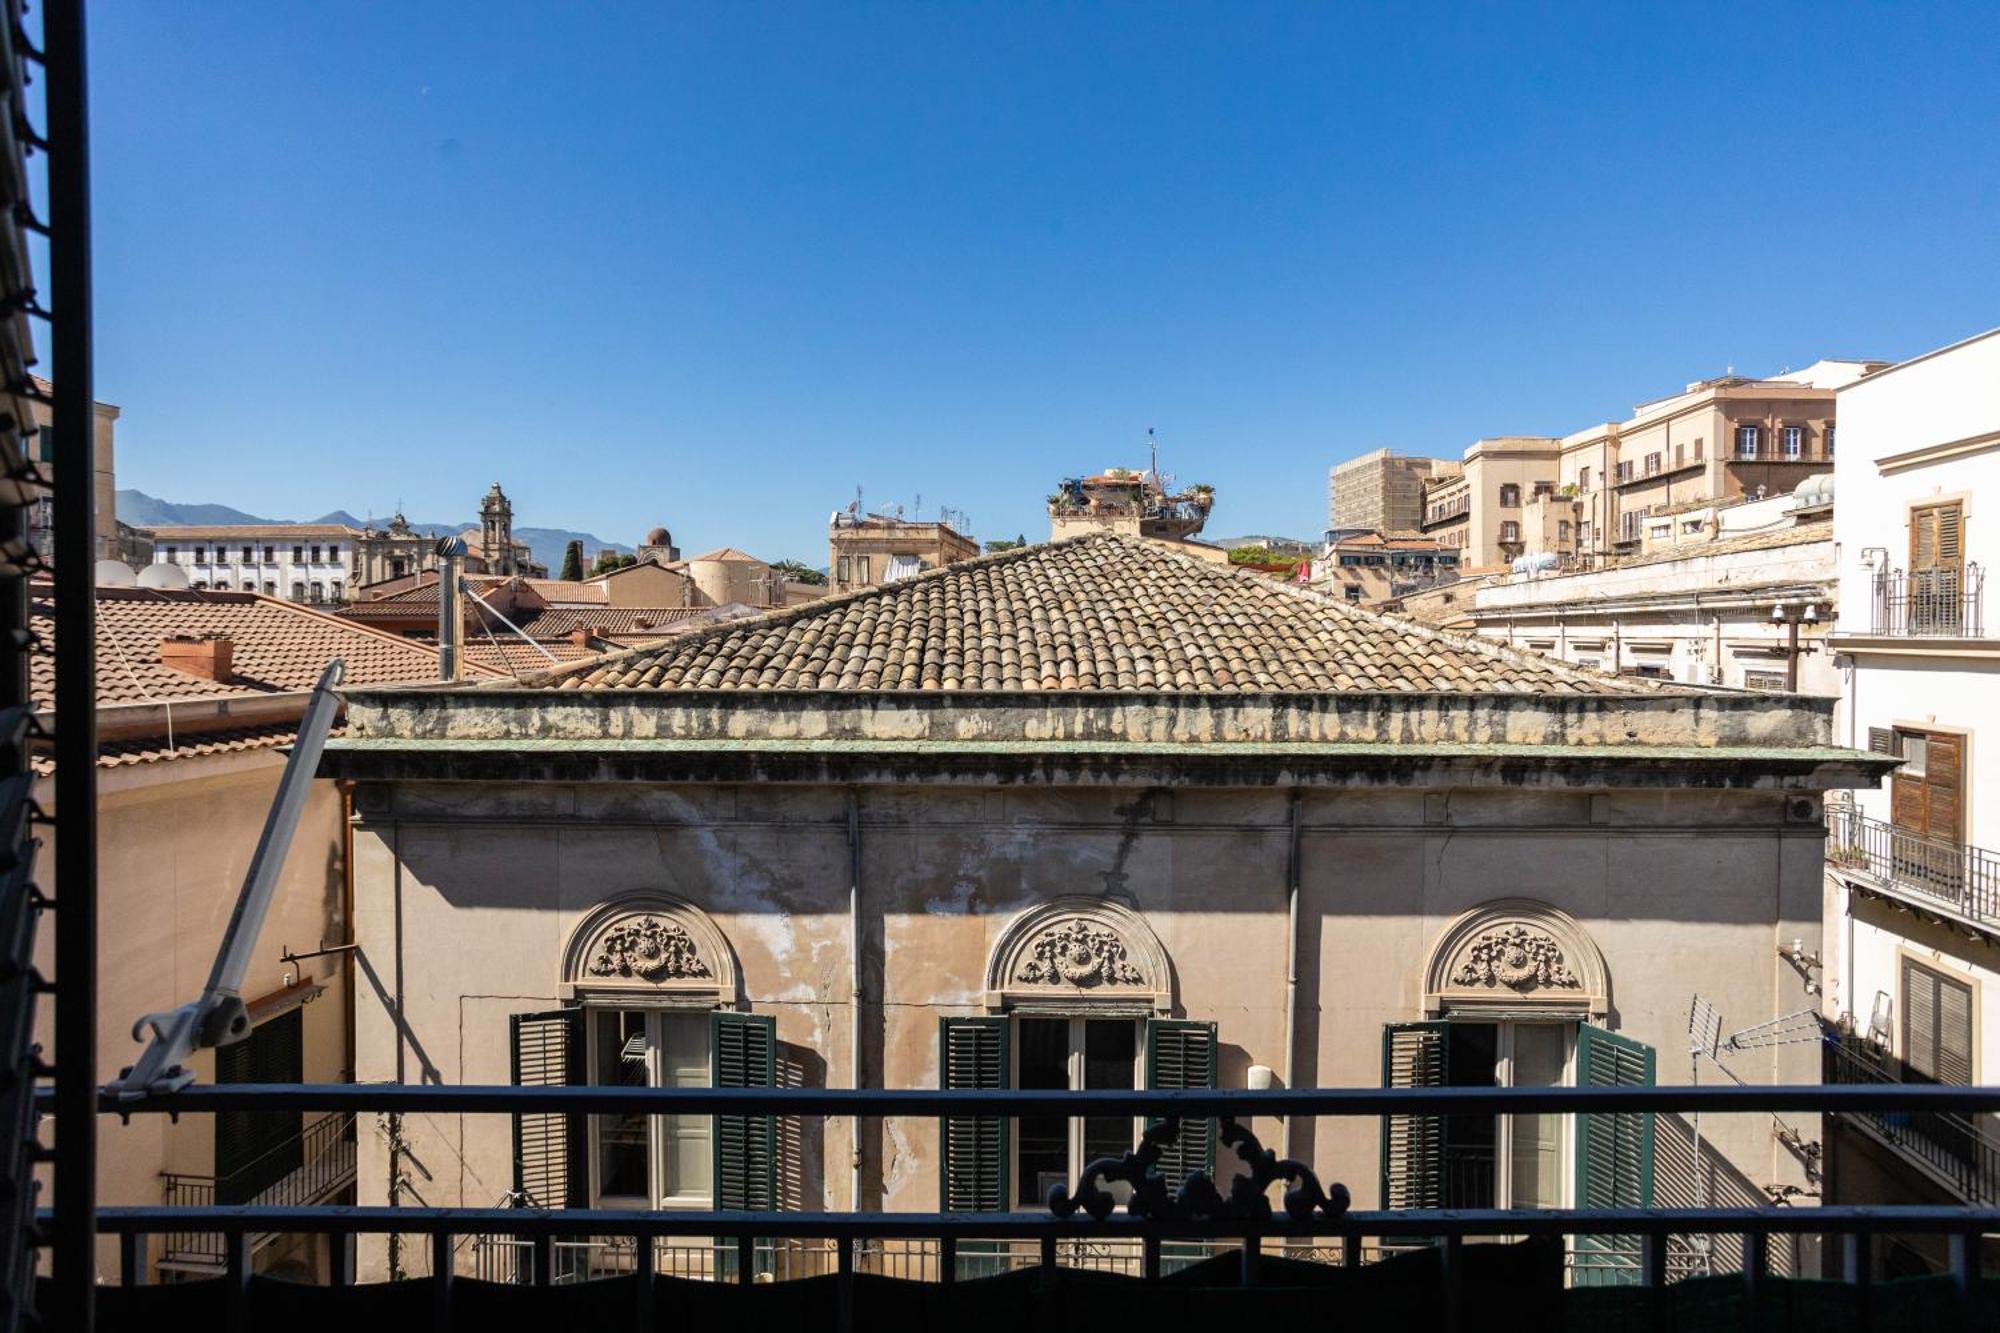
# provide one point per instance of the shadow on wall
(801, 1139)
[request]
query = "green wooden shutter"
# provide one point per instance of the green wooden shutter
(972, 1053)
(549, 1150)
(1614, 1153)
(745, 1146)
(1414, 1055)
(1181, 1054)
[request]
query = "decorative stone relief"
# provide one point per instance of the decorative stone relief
(1516, 957)
(649, 949)
(1078, 954)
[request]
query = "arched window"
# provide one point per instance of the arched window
(298, 590)
(1077, 990)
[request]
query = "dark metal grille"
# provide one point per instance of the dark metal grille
(1961, 1150)
(1946, 603)
(1929, 870)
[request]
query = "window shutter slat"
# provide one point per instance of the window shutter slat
(548, 1149)
(972, 1054)
(1882, 740)
(1181, 1054)
(1614, 1153)
(1413, 1056)
(745, 1147)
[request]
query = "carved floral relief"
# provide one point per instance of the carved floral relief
(1517, 957)
(1078, 954)
(649, 949)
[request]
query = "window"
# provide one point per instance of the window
(298, 555)
(1697, 448)
(1926, 795)
(398, 567)
(201, 555)
(861, 569)
(172, 552)
(1793, 438)
(1583, 480)
(1653, 463)
(333, 553)
(1510, 496)
(315, 555)
(1510, 531)
(1562, 529)
(249, 554)
(1352, 592)
(270, 588)
(1526, 1160)
(270, 554)
(1625, 471)
(1747, 440)
(1691, 526)
(1544, 489)
(842, 575)
(1829, 441)
(1937, 1024)
(1937, 568)
(991, 1164)
(335, 587)
(1071, 1053)
(318, 591)
(641, 1161)
(1764, 680)
(254, 1150)
(1680, 454)
(298, 591)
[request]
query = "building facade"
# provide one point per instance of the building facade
(1370, 568)
(868, 550)
(1280, 839)
(1382, 490)
(1483, 512)
(1913, 879)
(115, 540)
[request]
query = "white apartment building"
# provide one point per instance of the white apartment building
(1913, 880)
(301, 562)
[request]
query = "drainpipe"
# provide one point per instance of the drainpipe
(854, 999)
(1291, 959)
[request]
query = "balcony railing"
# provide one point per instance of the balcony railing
(1961, 1150)
(307, 1169)
(1919, 867)
(1236, 1233)
(1931, 603)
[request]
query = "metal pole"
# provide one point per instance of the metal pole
(74, 1270)
(1792, 656)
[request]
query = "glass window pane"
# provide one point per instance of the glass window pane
(1469, 1168)
(619, 1060)
(1042, 1156)
(686, 1160)
(1537, 1147)
(1110, 1050)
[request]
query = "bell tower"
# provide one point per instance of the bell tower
(496, 532)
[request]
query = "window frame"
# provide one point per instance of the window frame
(655, 1018)
(1075, 1067)
(1749, 442)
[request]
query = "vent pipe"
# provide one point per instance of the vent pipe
(451, 608)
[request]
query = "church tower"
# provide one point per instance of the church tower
(496, 532)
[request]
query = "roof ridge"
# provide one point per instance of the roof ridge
(351, 626)
(785, 615)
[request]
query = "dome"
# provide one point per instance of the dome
(163, 576)
(659, 537)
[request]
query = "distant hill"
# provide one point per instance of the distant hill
(1256, 539)
(144, 511)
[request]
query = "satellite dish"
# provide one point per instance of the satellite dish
(116, 574)
(164, 577)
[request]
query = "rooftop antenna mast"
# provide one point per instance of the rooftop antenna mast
(1153, 444)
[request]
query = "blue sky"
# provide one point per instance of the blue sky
(715, 265)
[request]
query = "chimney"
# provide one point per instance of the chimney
(580, 637)
(209, 656)
(451, 606)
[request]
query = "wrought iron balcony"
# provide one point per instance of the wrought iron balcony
(1439, 1260)
(1920, 868)
(309, 1168)
(1931, 603)
(1960, 1150)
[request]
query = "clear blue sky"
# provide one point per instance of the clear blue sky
(714, 265)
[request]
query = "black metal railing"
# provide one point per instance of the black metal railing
(1922, 867)
(1962, 1150)
(547, 1247)
(1931, 603)
(309, 1168)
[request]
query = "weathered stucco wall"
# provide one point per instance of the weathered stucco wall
(467, 894)
(174, 843)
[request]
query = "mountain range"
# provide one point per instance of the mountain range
(548, 544)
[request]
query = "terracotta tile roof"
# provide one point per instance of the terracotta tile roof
(729, 553)
(505, 655)
(1099, 612)
(563, 592)
(555, 621)
(154, 749)
(278, 646)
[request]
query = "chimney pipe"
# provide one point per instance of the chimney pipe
(451, 608)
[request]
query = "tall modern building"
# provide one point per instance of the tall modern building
(1381, 490)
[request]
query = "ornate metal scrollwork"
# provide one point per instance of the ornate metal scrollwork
(1198, 1197)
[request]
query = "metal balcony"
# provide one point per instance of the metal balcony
(1947, 877)
(310, 1168)
(1930, 603)
(1958, 1150)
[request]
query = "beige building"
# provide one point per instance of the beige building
(1371, 568)
(867, 550)
(1719, 439)
(1484, 513)
(198, 693)
(833, 846)
(115, 540)
(1381, 491)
